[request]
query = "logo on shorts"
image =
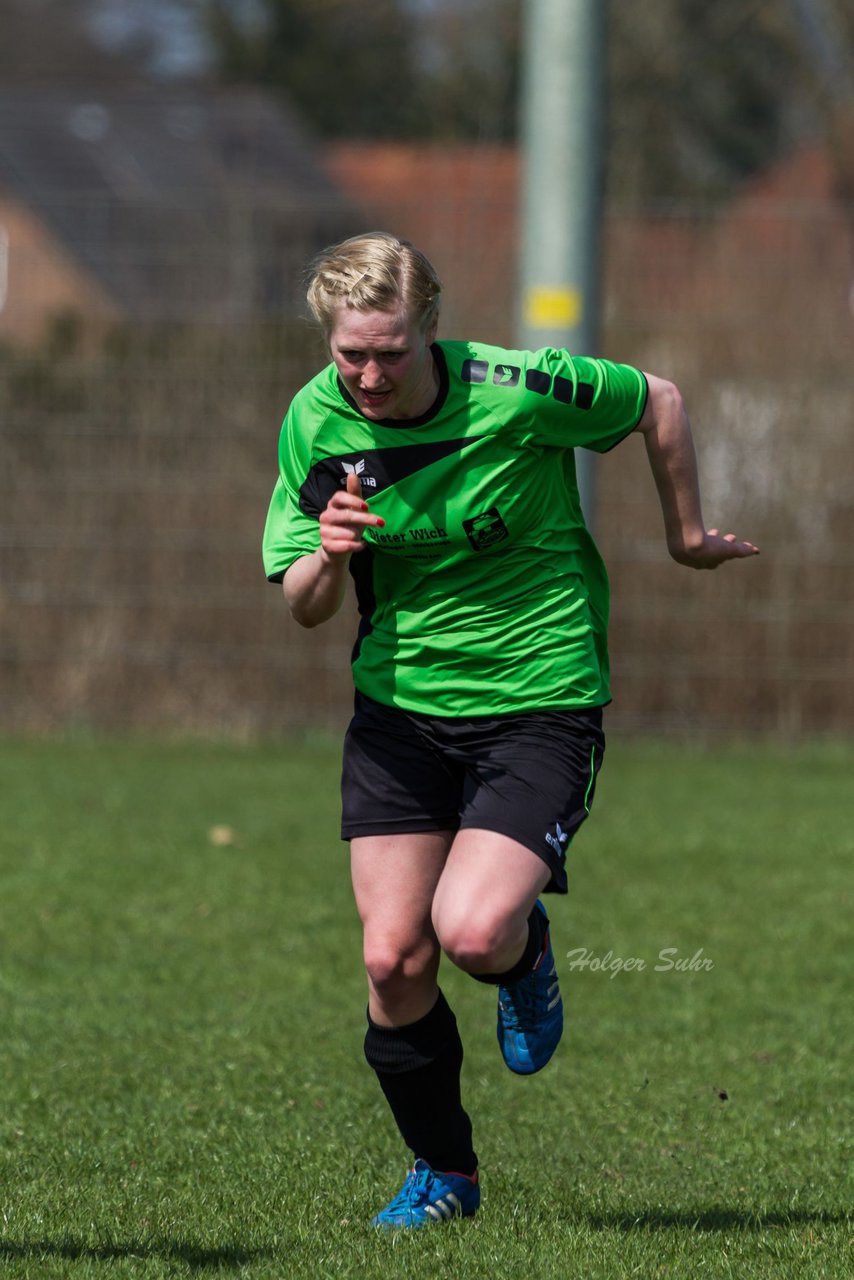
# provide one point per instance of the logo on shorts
(358, 469)
(559, 840)
(485, 530)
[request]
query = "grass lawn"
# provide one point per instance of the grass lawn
(182, 1077)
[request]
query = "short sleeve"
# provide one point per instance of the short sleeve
(289, 531)
(580, 401)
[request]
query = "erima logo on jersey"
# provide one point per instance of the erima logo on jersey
(559, 840)
(358, 469)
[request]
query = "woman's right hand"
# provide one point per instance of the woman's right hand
(343, 523)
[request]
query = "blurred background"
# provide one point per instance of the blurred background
(167, 168)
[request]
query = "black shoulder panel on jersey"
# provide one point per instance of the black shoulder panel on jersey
(377, 469)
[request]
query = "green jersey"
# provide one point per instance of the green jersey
(484, 594)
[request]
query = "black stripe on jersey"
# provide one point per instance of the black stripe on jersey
(567, 392)
(474, 370)
(538, 380)
(361, 568)
(564, 390)
(377, 469)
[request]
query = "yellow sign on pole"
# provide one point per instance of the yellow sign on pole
(553, 307)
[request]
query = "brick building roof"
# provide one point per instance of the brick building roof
(161, 194)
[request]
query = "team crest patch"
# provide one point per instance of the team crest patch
(486, 529)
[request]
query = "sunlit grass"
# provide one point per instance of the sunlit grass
(182, 1005)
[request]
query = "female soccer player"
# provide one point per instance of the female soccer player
(440, 477)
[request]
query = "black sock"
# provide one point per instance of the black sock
(418, 1067)
(537, 928)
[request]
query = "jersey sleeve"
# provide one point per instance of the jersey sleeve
(581, 401)
(289, 531)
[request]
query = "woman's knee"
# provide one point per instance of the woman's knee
(393, 964)
(476, 940)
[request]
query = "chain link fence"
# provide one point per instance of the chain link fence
(137, 458)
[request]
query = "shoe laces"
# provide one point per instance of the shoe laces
(416, 1190)
(525, 1004)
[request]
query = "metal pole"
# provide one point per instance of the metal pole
(561, 134)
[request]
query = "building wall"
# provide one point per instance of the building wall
(38, 280)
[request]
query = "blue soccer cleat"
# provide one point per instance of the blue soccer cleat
(530, 1015)
(428, 1196)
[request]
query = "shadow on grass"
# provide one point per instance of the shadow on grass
(716, 1219)
(196, 1257)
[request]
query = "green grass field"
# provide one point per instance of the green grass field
(182, 1077)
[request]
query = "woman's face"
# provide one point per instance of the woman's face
(384, 360)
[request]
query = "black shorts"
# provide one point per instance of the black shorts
(530, 776)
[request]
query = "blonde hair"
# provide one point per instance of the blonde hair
(373, 272)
